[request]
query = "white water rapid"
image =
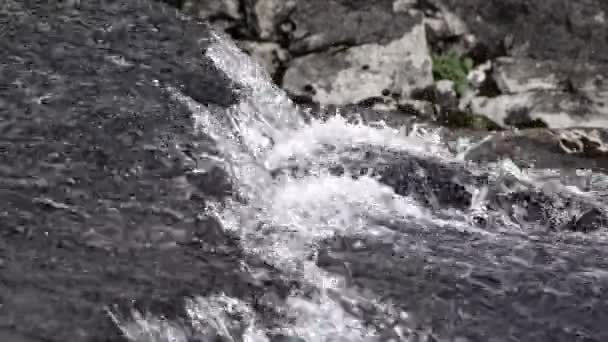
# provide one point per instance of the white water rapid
(290, 203)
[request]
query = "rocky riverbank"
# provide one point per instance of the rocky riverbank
(471, 63)
(102, 190)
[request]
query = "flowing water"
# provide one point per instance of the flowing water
(391, 235)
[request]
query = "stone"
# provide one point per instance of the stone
(315, 27)
(223, 15)
(554, 109)
(592, 143)
(422, 109)
(107, 139)
(563, 30)
(209, 9)
(445, 23)
(404, 5)
(564, 149)
(268, 54)
(358, 73)
(518, 75)
(478, 75)
(591, 220)
(268, 15)
(445, 87)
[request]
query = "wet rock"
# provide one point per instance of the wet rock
(270, 17)
(364, 115)
(564, 149)
(421, 109)
(444, 99)
(210, 10)
(284, 338)
(592, 220)
(94, 194)
(271, 56)
(224, 15)
(591, 143)
(353, 74)
(548, 69)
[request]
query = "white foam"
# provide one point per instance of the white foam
(209, 317)
(337, 134)
(283, 219)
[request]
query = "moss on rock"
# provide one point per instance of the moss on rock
(453, 67)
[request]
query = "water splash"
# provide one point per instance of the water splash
(209, 318)
(283, 218)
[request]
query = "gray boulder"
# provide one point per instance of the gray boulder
(562, 30)
(358, 73)
(560, 95)
(375, 50)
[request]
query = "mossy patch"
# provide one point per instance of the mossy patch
(453, 67)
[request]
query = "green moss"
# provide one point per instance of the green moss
(453, 67)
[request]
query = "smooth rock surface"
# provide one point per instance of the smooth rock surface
(102, 200)
(96, 205)
(354, 74)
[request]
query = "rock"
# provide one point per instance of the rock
(564, 149)
(361, 22)
(445, 87)
(7, 335)
(404, 5)
(421, 109)
(213, 10)
(478, 75)
(358, 73)
(564, 30)
(518, 75)
(445, 99)
(269, 55)
(592, 220)
(444, 23)
(554, 109)
(284, 338)
(268, 15)
(591, 143)
(554, 88)
(93, 144)
(549, 70)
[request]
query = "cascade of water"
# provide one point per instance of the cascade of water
(284, 219)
